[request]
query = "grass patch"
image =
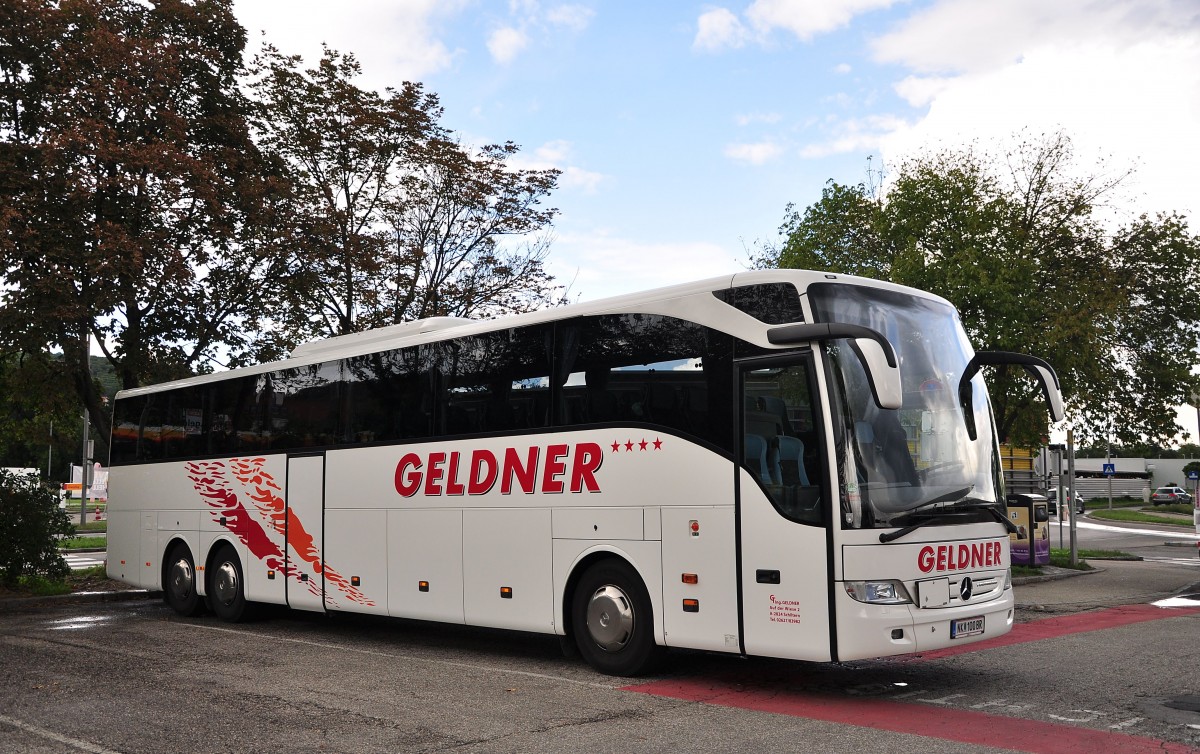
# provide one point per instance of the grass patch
(83, 543)
(1099, 502)
(1181, 508)
(40, 586)
(1061, 557)
(1097, 554)
(92, 526)
(83, 580)
(1140, 517)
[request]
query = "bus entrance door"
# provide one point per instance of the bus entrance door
(783, 499)
(305, 532)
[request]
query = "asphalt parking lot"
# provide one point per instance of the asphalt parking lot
(131, 676)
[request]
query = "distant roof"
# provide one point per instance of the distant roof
(1120, 465)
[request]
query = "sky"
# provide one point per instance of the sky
(684, 129)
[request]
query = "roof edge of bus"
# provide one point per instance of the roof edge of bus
(354, 343)
(389, 332)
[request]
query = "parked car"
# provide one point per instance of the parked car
(1169, 495)
(1052, 501)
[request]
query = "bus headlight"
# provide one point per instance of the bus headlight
(1008, 578)
(878, 592)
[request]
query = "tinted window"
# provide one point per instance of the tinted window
(389, 395)
(238, 415)
(772, 303)
(305, 409)
(495, 382)
(646, 368)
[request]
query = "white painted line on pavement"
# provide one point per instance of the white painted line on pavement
(405, 656)
(1183, 535)
(74, 743)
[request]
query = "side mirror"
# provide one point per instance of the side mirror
(1040, 369)
(873, 350)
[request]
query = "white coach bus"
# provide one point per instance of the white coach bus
(781, 463)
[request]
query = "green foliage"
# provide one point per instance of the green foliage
(1016, 245)
(30, 525)
(1140, 517)
(391, 218)
(134, 204)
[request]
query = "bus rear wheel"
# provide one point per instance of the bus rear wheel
(179, 582)
(226, 586)
(612, 620)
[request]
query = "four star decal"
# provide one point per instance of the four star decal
(642, 444)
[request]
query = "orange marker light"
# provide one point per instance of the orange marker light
(422, 586)
(691, 606)
(506, 592)
(354, 581)
(691, 578)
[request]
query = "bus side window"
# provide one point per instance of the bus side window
(780, 446)
(645, 368)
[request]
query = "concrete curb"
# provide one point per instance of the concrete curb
(20, 604)
(1054, 573)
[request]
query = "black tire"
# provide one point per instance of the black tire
(226, 586)
(179, 581)
(612, 620)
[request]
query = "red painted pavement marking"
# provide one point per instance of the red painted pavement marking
(964, 726)
(1049, 628)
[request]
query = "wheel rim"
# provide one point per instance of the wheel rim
(610, 618)
(181, 580)
(225, 583)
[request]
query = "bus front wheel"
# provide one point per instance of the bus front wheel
(612, 620)
(226, 589)
(179, 582)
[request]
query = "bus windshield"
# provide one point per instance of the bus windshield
(920, 457)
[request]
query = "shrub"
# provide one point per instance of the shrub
(30, 524)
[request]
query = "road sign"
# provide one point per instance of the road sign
(1194, 475)
(1110, 469)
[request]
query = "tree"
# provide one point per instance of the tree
(30, 525)
(395, 219)
(1017, 246)
(39, 414)
(134, 209)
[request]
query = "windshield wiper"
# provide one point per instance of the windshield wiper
(892, 536)
(992, 509)
(948, 514)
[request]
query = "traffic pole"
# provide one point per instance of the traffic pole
(1071, 493)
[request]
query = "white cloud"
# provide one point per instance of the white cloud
(752, 118)
(717, 29)
(850, 135)
(919, 91)
(720, 28)
(1082, 69)
(395, 42)
(504, 44)
(572, 17)
(807, 18)
(558, 155)
(601, 265)
(842, 68)
(961, 36)
(754, 154)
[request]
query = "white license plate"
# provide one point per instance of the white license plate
(966, 627)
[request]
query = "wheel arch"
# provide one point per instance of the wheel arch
(213, 548)
(165, 560)
(601, 552)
